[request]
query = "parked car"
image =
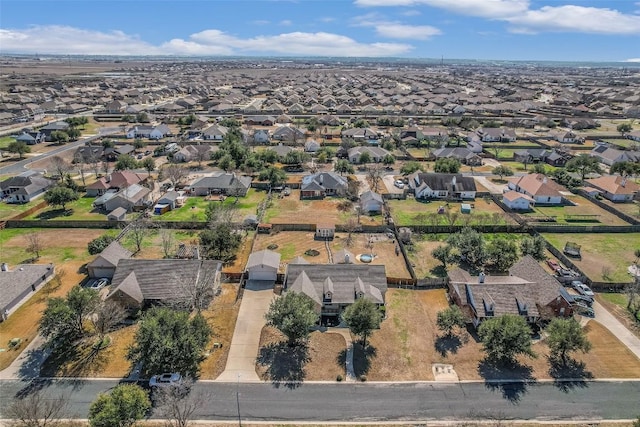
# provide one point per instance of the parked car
(553, 264)
(399, 183)
(165, 380)
(98, 284)
(91, 283)
(581, 288)
(586, 299)
(583, 309)
(563, 272)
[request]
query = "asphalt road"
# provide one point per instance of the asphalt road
(380, 402)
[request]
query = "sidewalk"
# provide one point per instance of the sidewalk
(28, 363)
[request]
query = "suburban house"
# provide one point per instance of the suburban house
(325, 231)
(567, 137)
(608, 155)
(531, 155)
(116, 180)
(118, 214)
(221, 183)
(31, 138)
(104, 265)
(88, 154)
(263, 266)
(322, 184)
(17, 284)
(376, 153)
(334, 287)
(615, 188)
(139, 283)
(288, 133)
(53, 127)
(528, 291)
(557, 159)
(462, 154)
(129, 198)
(517, 201)
(542, 189)
(634, 135)
(260, 120)
(112, 153)
(25, 187)
(311, 146)
(214, 133)
(260, 136)
(151, 132)
(497, 135)
(194, 152)
(361, 134)
(371, 203)
(442, 186)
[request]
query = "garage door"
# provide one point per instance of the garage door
(262, 275)
(98, 272)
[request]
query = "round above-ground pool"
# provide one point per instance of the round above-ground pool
(366, 258)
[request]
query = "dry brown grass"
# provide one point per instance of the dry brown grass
(383, 247)
(424, 264)
(322, 360)
(405, 346)
(292, 244)
(242, 255)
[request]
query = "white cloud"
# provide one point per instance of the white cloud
(57, 39)
(261, 22)
(395, 30)
(570, 18)
(411, 12)
(285, 22)
(632, 60)
(327, 19)
(482, 8)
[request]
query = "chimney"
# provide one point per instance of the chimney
(544, 180)
(623, 182)
(453, 182)
(481, 277)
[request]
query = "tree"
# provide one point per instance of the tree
(447, 165)
(34, 244)
(142, 117)
(505, 337)
(449, 319)
(138, 144)
(470, 246)
(375, 174)
(106, 317)
(60, 196)
(99, 244)
(226, 163)
(122, 407)
(625, 168)
(175, 174)
(388, 160)
(443, 254)
(502, 171)
(170, 341)
(565, 336)
(168, 242)
(362, 317)
(624, 128)
(539, 169)
(37, 409)
(19, 147)
(125, 162)
(410, 167)
(195, 293)
(108, 143)
(138, 230)
(583, 164)
(148, 164)
(217, 212)
(275, 176)
(60, 165)
(365, 157)
(220, 242)
(292, 314)
(59, 136)
(343, 166)
(178, 403)
(502, 253)
(534, 246)
(73, 134)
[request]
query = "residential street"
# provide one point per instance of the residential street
(378, 402)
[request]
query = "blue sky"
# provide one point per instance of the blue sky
(572, 30)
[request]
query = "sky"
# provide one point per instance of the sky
(555, 30)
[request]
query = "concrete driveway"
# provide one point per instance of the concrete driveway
(391, 188)
(241, 362)
(493, 188)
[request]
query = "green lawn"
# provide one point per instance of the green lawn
(605, 256)
(572, 214)
(622, 142)
(5, 141)
(413, 212)
(82, 210)
(618, 299)
(9, 210)
(195, 207)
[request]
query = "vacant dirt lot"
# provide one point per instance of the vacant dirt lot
(323, 359)
(291, 244)
(407, 344)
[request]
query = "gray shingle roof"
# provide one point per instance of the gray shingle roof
(17, 280)
(110, 256)
(264, 257)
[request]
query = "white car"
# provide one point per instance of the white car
(581, 288)
(98, 284)
(398, 183)
(165, 380)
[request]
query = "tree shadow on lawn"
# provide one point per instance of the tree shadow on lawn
(80, 359)
(54, 213)
(512, 380)
(285, 364)
(439, 271)
(568, 375)
(447, 344)
(361, 358)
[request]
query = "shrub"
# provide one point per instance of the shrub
(339, 378)
(98, 244)
(363, 378)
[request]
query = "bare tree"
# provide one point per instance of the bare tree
(195, 293)
(106, 317)
(138, 231)
(60, 165)
(201, 155)
(177, 404)
(175, 174)
(37, 410)
(353, 189)
(168, 242)
(34, 244)
(350, 227)
(374, 174)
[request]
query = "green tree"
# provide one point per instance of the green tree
(122, 407)
(138, 143)
(226, 163)
(170, 341)
(502, 171)
(443, 254)
(125, 162)
(362, 317)
(148, 164)
(534, 246)
(60, 196)
(625, 168)
(410, 167)
(539, 169)
(624, 128)
(447, 165)
(388, 160)
(566, 336)
(275, 176)
(220, 242)
(98, 244)
(502, 253)
(505, 337)
(59, 136)
(365, 157)
(292, 314)
(450, 319)
(583, 164)
(142, 117)
(19, 147)
(73, 134)
(63, 318)
(107, 143)
(343, 166)
(470, 246)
